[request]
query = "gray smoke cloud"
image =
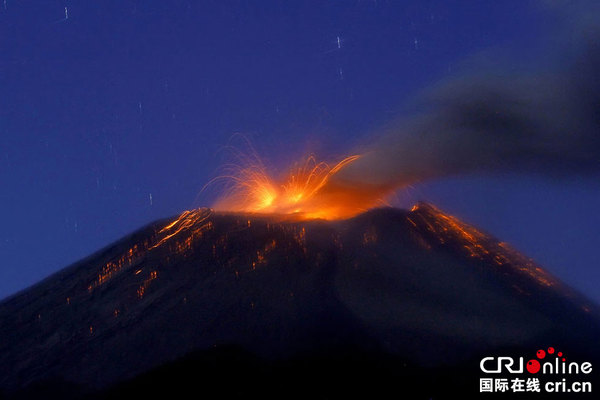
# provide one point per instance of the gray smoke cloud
(545, 121)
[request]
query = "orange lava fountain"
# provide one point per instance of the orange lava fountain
(302, 193)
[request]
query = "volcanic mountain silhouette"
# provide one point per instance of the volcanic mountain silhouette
(388, 301)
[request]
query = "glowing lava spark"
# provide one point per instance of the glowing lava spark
(301, 193)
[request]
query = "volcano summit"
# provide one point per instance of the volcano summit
(248, 304)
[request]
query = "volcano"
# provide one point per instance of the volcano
(247, 304)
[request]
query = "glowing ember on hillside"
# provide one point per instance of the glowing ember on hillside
(302, 192)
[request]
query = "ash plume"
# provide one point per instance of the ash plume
(544, 121)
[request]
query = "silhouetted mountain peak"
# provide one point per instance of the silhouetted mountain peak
(418, 285)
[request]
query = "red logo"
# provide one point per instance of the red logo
(533, 366)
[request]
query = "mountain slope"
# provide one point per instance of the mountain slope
(416, 285)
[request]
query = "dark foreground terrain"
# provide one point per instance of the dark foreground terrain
(389, 302)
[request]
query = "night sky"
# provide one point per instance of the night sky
(116, 113)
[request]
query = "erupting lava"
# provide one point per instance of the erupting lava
(303, 192)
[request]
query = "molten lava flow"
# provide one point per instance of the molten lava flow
(186, 220)
(195, 221)
(303, 192)
(449, 230)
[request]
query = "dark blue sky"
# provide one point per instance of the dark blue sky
(127, 101)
